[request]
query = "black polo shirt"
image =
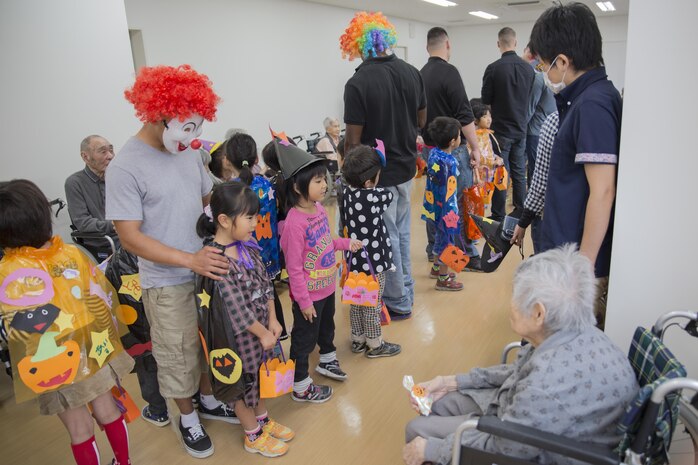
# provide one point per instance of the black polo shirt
(384, 96)
(445, 94)
(506, 86)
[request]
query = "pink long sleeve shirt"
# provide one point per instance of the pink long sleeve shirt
(310, 255)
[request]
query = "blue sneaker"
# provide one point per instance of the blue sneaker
(157, 419)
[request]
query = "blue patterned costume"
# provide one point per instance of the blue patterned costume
(440, 198)
(267, 228)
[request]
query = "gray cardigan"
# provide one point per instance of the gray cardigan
(575, 384)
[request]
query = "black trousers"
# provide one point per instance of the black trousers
(147, 373)
(305, 335)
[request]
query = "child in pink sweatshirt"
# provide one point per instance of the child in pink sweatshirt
(310, 261)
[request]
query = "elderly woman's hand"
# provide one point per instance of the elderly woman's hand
(413, 452)
(436, 389)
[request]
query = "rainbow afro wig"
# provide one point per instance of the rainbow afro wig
(368, 35)
(166, 92)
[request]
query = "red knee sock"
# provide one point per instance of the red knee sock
(86, 453)
(118, 438)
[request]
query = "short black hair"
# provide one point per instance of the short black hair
(340, 148)
(506, 35)
(361, 164)
(570, 30)
(270, 157)
(443, 130)
(25, 215)
(301, 181)
(479, 109)
(232, 199)
(241, 151)
(216, 163)
(435, 36)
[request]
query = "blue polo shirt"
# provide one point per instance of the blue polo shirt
(590, 115)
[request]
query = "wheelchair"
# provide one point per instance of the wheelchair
(649, 422)
(98, 253)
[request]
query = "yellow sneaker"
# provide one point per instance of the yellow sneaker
(266, 445)
(278, 431)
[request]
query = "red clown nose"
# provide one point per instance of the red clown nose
(195, 144)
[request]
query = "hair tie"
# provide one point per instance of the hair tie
(245, 163)
(207, 212)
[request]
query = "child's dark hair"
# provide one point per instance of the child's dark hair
(479, 109)
(232, 199)
(340, 148)
(301, 181)
(361, 164)
(571, 30)
(443, 130)
(216, 163)
(25, 215)
(270, 157)
(241, 151)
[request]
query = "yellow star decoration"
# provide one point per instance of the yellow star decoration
(64, 321)
(101, 346)
(204, 298)
(131, 285)
(435, 167)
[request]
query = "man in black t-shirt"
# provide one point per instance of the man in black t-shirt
(506, 86)
(446, 96)
(385, 100)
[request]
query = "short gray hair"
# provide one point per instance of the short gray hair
(85, 144)
(329, 120)
(562, 280)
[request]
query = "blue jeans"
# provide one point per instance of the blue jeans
(399, 285)
(514, 155)
(531, 152)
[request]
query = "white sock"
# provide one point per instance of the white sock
(210, 402)
(326, 358)
(301, 386)
(190, 419)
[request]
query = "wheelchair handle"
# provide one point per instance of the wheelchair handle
(674, 384)
(465, 426)
(662, 321)
(508, 348)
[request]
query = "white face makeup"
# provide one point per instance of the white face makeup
(179, 134)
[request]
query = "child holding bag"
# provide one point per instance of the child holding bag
(363, 205)
(247, 300)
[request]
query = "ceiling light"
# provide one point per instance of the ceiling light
(441, 2)
(605, 6)
(483, 15)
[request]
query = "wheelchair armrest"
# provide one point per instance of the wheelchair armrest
(590, 453)
(104, 237)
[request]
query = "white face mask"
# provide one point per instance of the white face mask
(555, 87)
(179, 134)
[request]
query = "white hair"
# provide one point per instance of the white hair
(329, 120)
(563, 281)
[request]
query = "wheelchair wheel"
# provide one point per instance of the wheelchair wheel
(684, 444)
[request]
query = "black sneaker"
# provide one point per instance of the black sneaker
(473, 265)
(316, 393)
(386, 349)
(397, 316)
(358, 347)
(221, 413)
(331, 370)
(157, 419)
(196, 441)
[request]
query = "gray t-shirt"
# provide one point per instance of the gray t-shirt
(163, 191)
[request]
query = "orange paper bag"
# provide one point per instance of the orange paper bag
(501, 178)
(125, 403)
(276, 377)
(454, 258)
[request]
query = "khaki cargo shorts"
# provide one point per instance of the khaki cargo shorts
(174, 330)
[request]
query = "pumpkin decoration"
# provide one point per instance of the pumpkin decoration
(454, 258)
(429, 197)
(501, 178)
(226, 365)
(360, 289)
(51, 366)
(418, 391)
(263, 229)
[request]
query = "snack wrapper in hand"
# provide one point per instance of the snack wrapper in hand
(417, 393)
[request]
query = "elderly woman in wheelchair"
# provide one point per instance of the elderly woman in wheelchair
(570, 379)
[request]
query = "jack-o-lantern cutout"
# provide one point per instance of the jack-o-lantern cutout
(226, 366)
(454, 258)
(263, 230)
(51, 366)
(451, 185)
(429, 197)
(501, 178)
(37, 320)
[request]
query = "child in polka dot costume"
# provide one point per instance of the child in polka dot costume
(363, 205)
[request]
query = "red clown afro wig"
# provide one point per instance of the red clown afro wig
(166, 92)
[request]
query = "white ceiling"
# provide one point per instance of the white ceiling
(509, 11)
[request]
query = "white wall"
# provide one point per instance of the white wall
(272, 61)
(475, 47)
(653, 267)
(65, 66)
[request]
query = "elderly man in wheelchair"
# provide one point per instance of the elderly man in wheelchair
(570, 379)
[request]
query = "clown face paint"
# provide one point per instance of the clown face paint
(179, 134)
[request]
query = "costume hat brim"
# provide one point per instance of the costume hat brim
(293, 159)
(496, 247)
